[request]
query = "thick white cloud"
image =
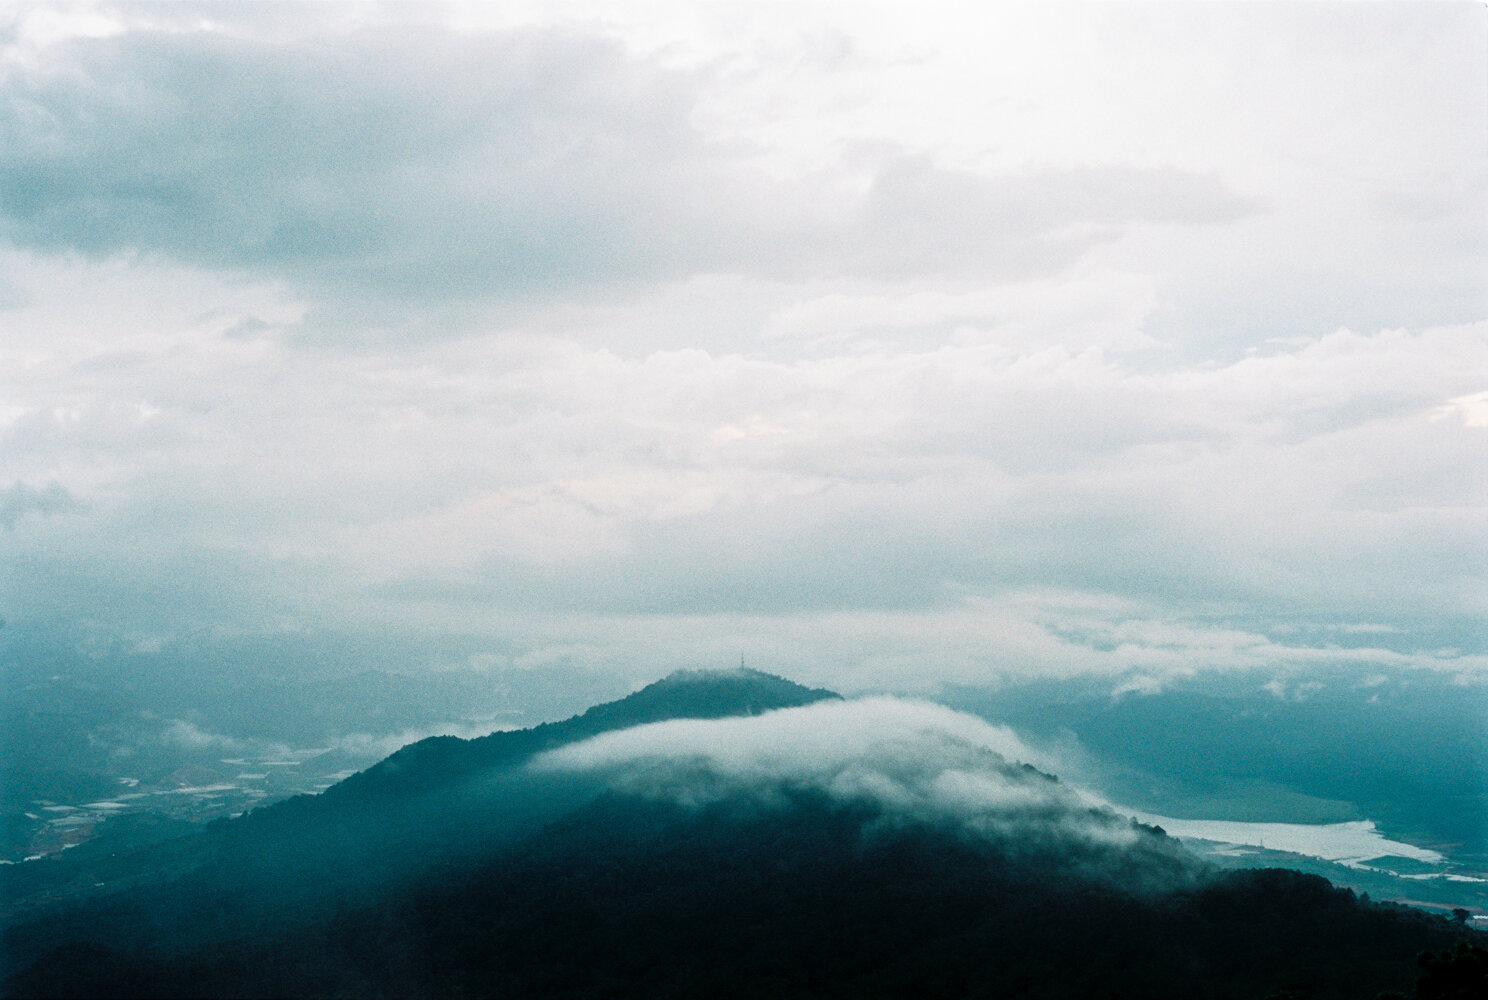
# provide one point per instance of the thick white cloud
(891, 350)
(505, 486)
(814, 740)
(910, 759)
(393, 171)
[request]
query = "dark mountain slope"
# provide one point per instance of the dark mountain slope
(631, 897)
(441, 760)
(641, 899)
(858, 852)
(441, 801)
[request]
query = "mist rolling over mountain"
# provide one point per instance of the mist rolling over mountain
(714, 832)
(1083, 405)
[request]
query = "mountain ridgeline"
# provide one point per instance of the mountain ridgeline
(719, 834)
(444, 760)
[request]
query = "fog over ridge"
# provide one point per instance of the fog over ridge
(912, 760)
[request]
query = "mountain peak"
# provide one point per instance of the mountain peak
(703, 694)
(739, 677)
(686, 694)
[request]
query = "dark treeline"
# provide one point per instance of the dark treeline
(636, 898)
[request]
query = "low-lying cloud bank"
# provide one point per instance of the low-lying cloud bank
(912, 760)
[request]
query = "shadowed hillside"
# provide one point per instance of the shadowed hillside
(729, 834)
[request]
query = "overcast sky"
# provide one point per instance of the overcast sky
(886, 345)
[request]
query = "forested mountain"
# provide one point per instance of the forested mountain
(712, 834)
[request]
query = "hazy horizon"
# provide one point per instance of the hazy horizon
(894, 347)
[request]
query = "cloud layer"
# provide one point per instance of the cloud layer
(912, 760)
(522, 163)
(1004, 509)
(893, 351)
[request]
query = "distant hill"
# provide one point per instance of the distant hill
(1229, 747)
(765, 853)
